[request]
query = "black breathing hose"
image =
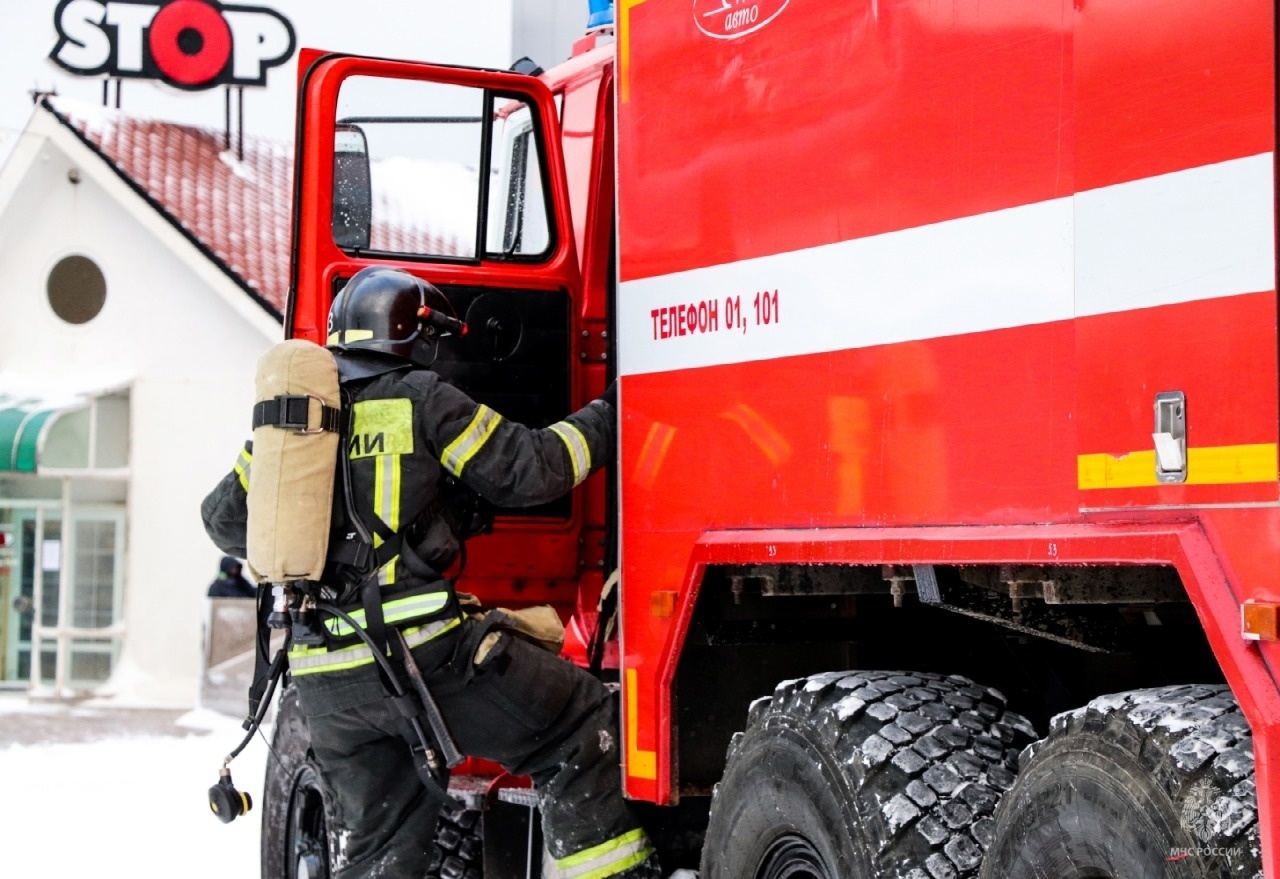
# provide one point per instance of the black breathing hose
(277, 668)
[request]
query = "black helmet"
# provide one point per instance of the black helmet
(390, 311)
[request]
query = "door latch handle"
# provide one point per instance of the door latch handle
(1170, 437)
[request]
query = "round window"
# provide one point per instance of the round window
(77, 289)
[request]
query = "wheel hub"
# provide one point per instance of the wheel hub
(793, 857)
(310, 866)
(307, 838)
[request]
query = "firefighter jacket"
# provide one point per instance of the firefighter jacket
(410, 434)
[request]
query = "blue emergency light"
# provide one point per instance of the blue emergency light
(599, 14)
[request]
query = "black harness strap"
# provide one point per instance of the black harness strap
(262, 664)
(293, 412)
(372, 561)
(414, 703)
(353, 551)
(375, 623)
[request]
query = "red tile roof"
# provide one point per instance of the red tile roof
(237, 211)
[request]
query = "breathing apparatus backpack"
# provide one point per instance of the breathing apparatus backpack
(297, 423)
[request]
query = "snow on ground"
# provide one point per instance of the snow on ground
(127, 803)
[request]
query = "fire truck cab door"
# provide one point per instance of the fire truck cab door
(456, 176)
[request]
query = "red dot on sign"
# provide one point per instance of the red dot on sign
(167, 38)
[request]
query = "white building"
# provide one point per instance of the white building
(145, 272)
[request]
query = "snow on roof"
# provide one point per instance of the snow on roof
(239, 209)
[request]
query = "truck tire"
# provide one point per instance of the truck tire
(459, 849)
(1146, 783)
(887, 774)
(296, 815)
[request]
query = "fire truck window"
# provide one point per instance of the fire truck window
(424, 147)
(517, 205)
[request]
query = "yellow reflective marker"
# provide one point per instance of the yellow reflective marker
(640, 764)
(1216, 465)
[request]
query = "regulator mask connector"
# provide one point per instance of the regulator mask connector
(225, 801)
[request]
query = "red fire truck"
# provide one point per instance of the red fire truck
(946, 509)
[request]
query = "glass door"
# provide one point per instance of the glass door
(32, 557)
(34, 550)
(96, 600)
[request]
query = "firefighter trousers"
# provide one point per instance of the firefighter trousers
(521, 707)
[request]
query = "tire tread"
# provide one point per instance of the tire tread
(1194, 743)
(926, 757)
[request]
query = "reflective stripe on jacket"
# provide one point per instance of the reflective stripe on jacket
(598, 862)
(314, 660)
(395, 611)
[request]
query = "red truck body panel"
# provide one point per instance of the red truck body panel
(900, 283)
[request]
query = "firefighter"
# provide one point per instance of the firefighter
(502, 698)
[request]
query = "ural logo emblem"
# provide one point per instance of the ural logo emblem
(730, 19)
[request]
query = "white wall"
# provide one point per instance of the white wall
(190, 357)
(546, 30)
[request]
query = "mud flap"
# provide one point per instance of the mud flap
(513, 836)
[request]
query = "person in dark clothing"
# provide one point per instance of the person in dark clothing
(412, 439)
(231, 583)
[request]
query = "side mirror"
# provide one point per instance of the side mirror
(352, 189)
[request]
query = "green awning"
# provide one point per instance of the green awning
(56, 430)
(24, 421)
